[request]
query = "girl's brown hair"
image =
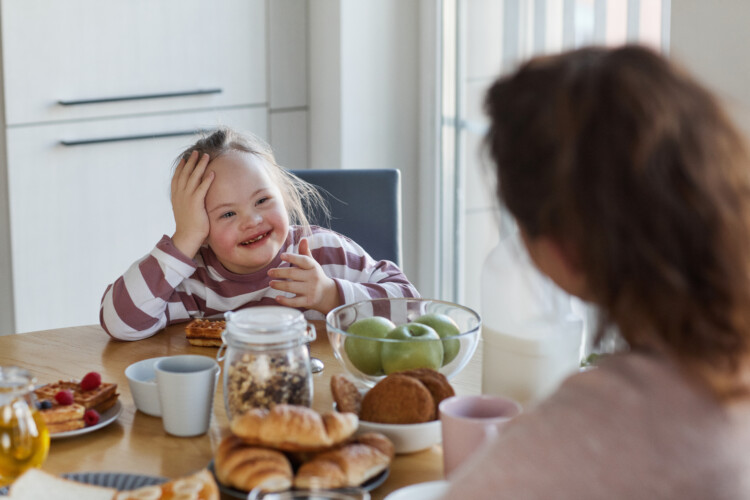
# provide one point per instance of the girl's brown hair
(300, 197)
(635, 170)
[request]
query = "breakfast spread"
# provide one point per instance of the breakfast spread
(35, 484)
(266, 446)
(406, 397)
(70, 405)
(205, 332)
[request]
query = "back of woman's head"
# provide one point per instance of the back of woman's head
(634, 169)
(300, 198)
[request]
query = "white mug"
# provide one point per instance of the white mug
(186, 384)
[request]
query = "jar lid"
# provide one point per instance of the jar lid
(265, 325)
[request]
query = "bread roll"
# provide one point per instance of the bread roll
(379, 442)
(35, 484)
(294, 428)
(350, 465)
(246, 467)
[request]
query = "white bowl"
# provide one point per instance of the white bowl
(407, 438)
(142, 381)
(420, 491)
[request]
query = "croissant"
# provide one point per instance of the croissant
(246, 467)
(349, 465)
(294, 428)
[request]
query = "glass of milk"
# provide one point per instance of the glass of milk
(531, 337)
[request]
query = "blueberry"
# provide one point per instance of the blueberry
(45, 405)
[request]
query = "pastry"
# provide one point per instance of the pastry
(246, 467)
(345, 394)
(205, 332)
(294, 428)
(349, 465)
(398, 399)
(199, 486)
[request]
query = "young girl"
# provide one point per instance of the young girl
(234, 246)
(632, 190)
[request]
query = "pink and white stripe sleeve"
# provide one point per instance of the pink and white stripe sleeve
(357, 275)
(142, 301)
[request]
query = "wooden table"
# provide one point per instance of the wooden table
(136, 443)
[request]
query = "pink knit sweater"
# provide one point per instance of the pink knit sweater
(634, 428)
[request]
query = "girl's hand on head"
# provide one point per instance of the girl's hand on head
(189, 188)
(306, 280)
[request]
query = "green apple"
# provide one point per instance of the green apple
(365, 354)
(421, 352)
(445, 327)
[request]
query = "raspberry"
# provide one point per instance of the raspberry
(64, 397)
(91, 417)
(90, 381)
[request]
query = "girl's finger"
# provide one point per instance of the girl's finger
(197, 174)
(301, 261)
(176, 175)
(187, 169)
(294, 287)
(292, 301)
(205, 184)
(304, 248)
(287, 273)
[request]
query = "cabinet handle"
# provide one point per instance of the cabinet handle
(99, 140)
(139, 97)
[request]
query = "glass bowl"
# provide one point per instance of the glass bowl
(373, 352)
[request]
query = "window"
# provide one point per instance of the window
(482, 39)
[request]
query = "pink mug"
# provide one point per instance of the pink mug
(469, 421)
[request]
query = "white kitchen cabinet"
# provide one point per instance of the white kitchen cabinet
(79, 50)
(73, 217)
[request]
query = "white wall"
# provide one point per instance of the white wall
(713, 41)
(364, 99)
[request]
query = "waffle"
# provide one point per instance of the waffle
(205, 332)
(63, 418)
(100, 399)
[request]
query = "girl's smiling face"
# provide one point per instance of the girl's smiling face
(248, 220)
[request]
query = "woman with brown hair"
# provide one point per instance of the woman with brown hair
(632, 191)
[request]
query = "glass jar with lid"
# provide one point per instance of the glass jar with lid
(266, 358)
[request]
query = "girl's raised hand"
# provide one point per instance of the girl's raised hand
(189, 188)
(306, 280)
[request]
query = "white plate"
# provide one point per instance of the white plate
(105, 419)
(421, 491)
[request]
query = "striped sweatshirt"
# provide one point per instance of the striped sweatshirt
(167, 287)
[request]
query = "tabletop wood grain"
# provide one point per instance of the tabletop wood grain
(136, 443)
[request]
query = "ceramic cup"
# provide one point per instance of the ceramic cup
(142, 381)
(468, 422)
(186, 385)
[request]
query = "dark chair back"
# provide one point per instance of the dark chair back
(365, 206)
